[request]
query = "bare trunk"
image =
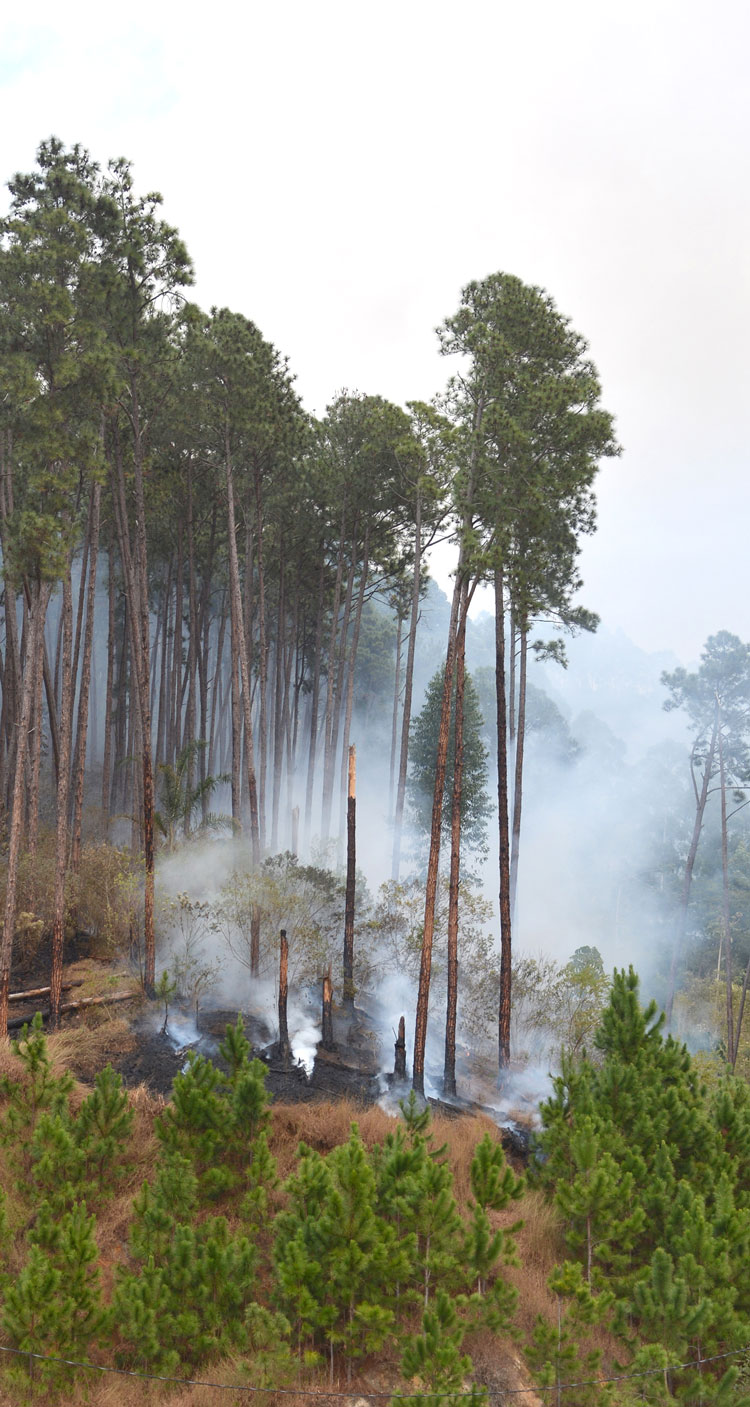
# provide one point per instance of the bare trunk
(503, 828)
(314, 700)
(726, 925)
(518, 777)
(331, 749)
(423, 995)
(79, 769)
(236, 598)
(449, 1071)
(700, 807)
(61, 838)
(351, 874)
(284, 1047)
(40, 599)
(398, 820)
(350, 673)
(394, 715)
(327, 1040)
(107, 756)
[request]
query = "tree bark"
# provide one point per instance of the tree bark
(284, 1047)
(79, 769)
(40, 599)
(700, 807)
(61, 836)
(398, 820)
(449, 1070)
(726, 924)
(503, 827)
(351, 876)
(425, 968)
(518, 771)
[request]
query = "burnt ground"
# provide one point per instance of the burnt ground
(144, 1054)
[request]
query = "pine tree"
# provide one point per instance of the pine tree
(434, 1358)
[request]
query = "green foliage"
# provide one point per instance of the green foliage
(180, 797)
(213, 1119)
(423, 745)
(434, 1357)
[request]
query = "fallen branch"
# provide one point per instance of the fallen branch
(41, 991)
(19, 1021)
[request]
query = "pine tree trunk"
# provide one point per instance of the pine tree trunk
(61, 836)
(503, 827)
(449, 1071)
(331, 749)
(425, 968)
(284, 1047)
(352, 665)
(394, 714)
(79, 769)
(700, 806)
(234, 581)
(518, 774)
(726, 924)
(314, 700)
(262, 663)
(174, 724)
(40, 599)
(107, 753)
(351, 877)
(330, 673)
(398, 820)
(35, 743)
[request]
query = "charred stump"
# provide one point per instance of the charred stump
(399, 1064)
(284, 1047)
(351, 830)
(328, 1042)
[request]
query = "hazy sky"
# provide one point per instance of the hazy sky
(339, 171)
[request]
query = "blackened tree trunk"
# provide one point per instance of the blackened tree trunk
(284, 1047)
(394, 715)
(327, 1040)
(352, 664)
(351, 876)
(449, 1071)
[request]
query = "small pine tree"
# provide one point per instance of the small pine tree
(434, 1358)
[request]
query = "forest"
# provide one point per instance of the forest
(253, 760)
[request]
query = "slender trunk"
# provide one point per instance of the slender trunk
(188, 737)
(331, 663)
(503, 828)
(40, 598)
(107, 757)
(394, 715)
(350, 673)
(423, 995)
(700, 807)
(236, 722)
(398, 820)
(165, 687)
(327, 1024)
(175, 711)
(351, 875)
(79, 769)
(512, 681)
(449, 1072)
(234, 579)
(262, 663)
(278, 726)
(218, 666)
(331, 750)
(518, 777)
(726, 925)
(61, 838)
(35, 743)
(314, 699)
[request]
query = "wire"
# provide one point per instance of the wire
(369, 1396)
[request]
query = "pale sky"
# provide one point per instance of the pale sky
(338, 172)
